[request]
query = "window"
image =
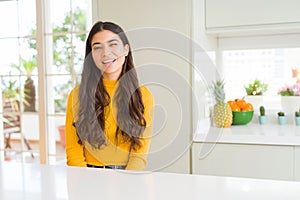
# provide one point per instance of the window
(272, 66)
(271, 59)
(65, 37)
(66, 24)
(19, 82)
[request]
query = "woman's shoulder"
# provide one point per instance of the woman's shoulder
(146, 93)
(74, 95)
(74, 101)
(145, 90)
(75, 90)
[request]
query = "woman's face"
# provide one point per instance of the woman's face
(109, 53)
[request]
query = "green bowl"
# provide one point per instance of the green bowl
(242, 117)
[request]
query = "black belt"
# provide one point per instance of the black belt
(107, 166)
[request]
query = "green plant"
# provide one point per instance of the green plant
(10, 91)
(262, 111)
(10, 95)
(297, 113)
(281, 114)
(27, 67)
(257, 87)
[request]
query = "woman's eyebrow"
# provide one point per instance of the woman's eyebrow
(95, 43)
(109, 41)
(112, 40)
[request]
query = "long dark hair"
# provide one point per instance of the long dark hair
(93, 97)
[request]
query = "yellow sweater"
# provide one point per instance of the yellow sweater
(112, 152)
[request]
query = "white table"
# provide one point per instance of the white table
(44, 182)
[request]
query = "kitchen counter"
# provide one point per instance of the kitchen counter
(45, 182)
(252, 133)
(269, 151)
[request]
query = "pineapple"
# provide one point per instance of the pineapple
(222, 111)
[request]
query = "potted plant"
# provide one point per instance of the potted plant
(10, 93)
(10, 107)
(297, 117)
(263, 119)
(29, 87)
(256, 88)
(282, 120)
(27, 66)
(255, 91)
(290, 98)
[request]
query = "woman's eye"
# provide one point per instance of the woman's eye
(113, 44)
(96, 48)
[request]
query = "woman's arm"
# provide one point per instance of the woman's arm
(74, 151)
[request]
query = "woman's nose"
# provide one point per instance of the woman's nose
(106, 51)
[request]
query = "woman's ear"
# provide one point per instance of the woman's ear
(126, 50)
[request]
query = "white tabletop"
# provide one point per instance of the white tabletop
(252, 133)
(44, 182)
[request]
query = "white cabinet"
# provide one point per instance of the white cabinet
(297, 164)
(243, 160)
(236, 15)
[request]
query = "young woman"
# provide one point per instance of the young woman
(109, 116)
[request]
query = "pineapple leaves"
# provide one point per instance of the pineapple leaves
(219, 91)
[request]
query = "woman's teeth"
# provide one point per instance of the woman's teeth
(108, 61)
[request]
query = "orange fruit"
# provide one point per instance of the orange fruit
(248, 107)
(235, 108)
(231, 103)
(241, 103)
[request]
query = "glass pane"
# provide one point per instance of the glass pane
(62, 54)
(28, 56)
(79, 12)
(83, 15)
(59, 87)
(9, 49)
(27, 17)
(56, 138)
(9, 18)
(79, 52)
(60, 15)
(30, 128)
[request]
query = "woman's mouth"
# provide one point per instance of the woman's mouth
(108, 62)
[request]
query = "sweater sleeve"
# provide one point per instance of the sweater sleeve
(138, 157)
(74, 151)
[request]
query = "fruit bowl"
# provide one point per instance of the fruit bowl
(242, 117)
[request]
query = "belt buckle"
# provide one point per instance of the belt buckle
(111, 167)
(114, 167)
